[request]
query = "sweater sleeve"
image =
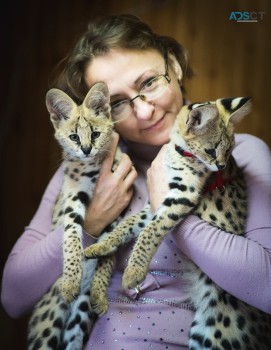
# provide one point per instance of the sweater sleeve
(240, 265)
(35, 261)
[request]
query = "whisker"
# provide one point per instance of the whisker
(120, 120)
(58, 161)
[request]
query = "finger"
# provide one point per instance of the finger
(130, 193)
(109, 159)
(127, 199)
(130, 177)
(124, 166)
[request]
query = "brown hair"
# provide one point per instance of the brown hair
(123, 31)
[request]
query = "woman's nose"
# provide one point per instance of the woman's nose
(143, 109)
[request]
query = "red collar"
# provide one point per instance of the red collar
(218, 183)
(183, 153)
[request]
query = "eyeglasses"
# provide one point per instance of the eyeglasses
(152, 89)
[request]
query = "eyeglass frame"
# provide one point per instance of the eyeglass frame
(143, 97)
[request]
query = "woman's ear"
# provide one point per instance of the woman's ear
(176, 67)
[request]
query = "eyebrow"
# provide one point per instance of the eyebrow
(140, 77)
(150, 71)
(117, 97)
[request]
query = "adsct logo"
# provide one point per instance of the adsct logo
(246, 16)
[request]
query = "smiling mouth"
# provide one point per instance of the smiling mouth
(155, 126)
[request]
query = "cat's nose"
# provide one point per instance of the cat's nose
(86, 150)
(221, 166)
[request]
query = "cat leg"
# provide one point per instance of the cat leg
(122, 234)
(99, 284)
(72, 268)
(87, 306)
(168, 216)
(142, 253)
(72, 247)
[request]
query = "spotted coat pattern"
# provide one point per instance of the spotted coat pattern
(65, 315)
(203, 179)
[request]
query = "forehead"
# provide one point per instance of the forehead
(121, 69)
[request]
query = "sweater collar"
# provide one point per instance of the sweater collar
(140, 151)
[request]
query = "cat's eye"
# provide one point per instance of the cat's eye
(211, 152)
(228, 151)
(74, 137)
(95, 135)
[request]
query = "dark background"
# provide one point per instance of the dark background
(230, 59)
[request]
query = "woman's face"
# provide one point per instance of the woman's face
(125, 72)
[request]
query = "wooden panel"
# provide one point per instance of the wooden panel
(230, 59)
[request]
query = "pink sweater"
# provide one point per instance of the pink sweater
(240, 265)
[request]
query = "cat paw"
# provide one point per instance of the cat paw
(96, 250)
(69, 289)
(132, 277)
(99, 303)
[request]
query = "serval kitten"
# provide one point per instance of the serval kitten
(65, 315)
(203, 179)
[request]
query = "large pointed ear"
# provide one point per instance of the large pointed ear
(98, 99)
(201, 118)
(236, 107)
(59, 105)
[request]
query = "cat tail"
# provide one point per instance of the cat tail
(81, 316)
(47, 321)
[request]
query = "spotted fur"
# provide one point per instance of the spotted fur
(64, 317)
(203, 179)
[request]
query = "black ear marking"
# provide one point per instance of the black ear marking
(226, 103)
(243, 101)
(236, 108)
(229, 103)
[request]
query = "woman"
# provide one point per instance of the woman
(123, 52)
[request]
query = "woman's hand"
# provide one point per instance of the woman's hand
(157, 180)
(112, 194)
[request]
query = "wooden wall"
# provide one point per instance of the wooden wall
(230, 59)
